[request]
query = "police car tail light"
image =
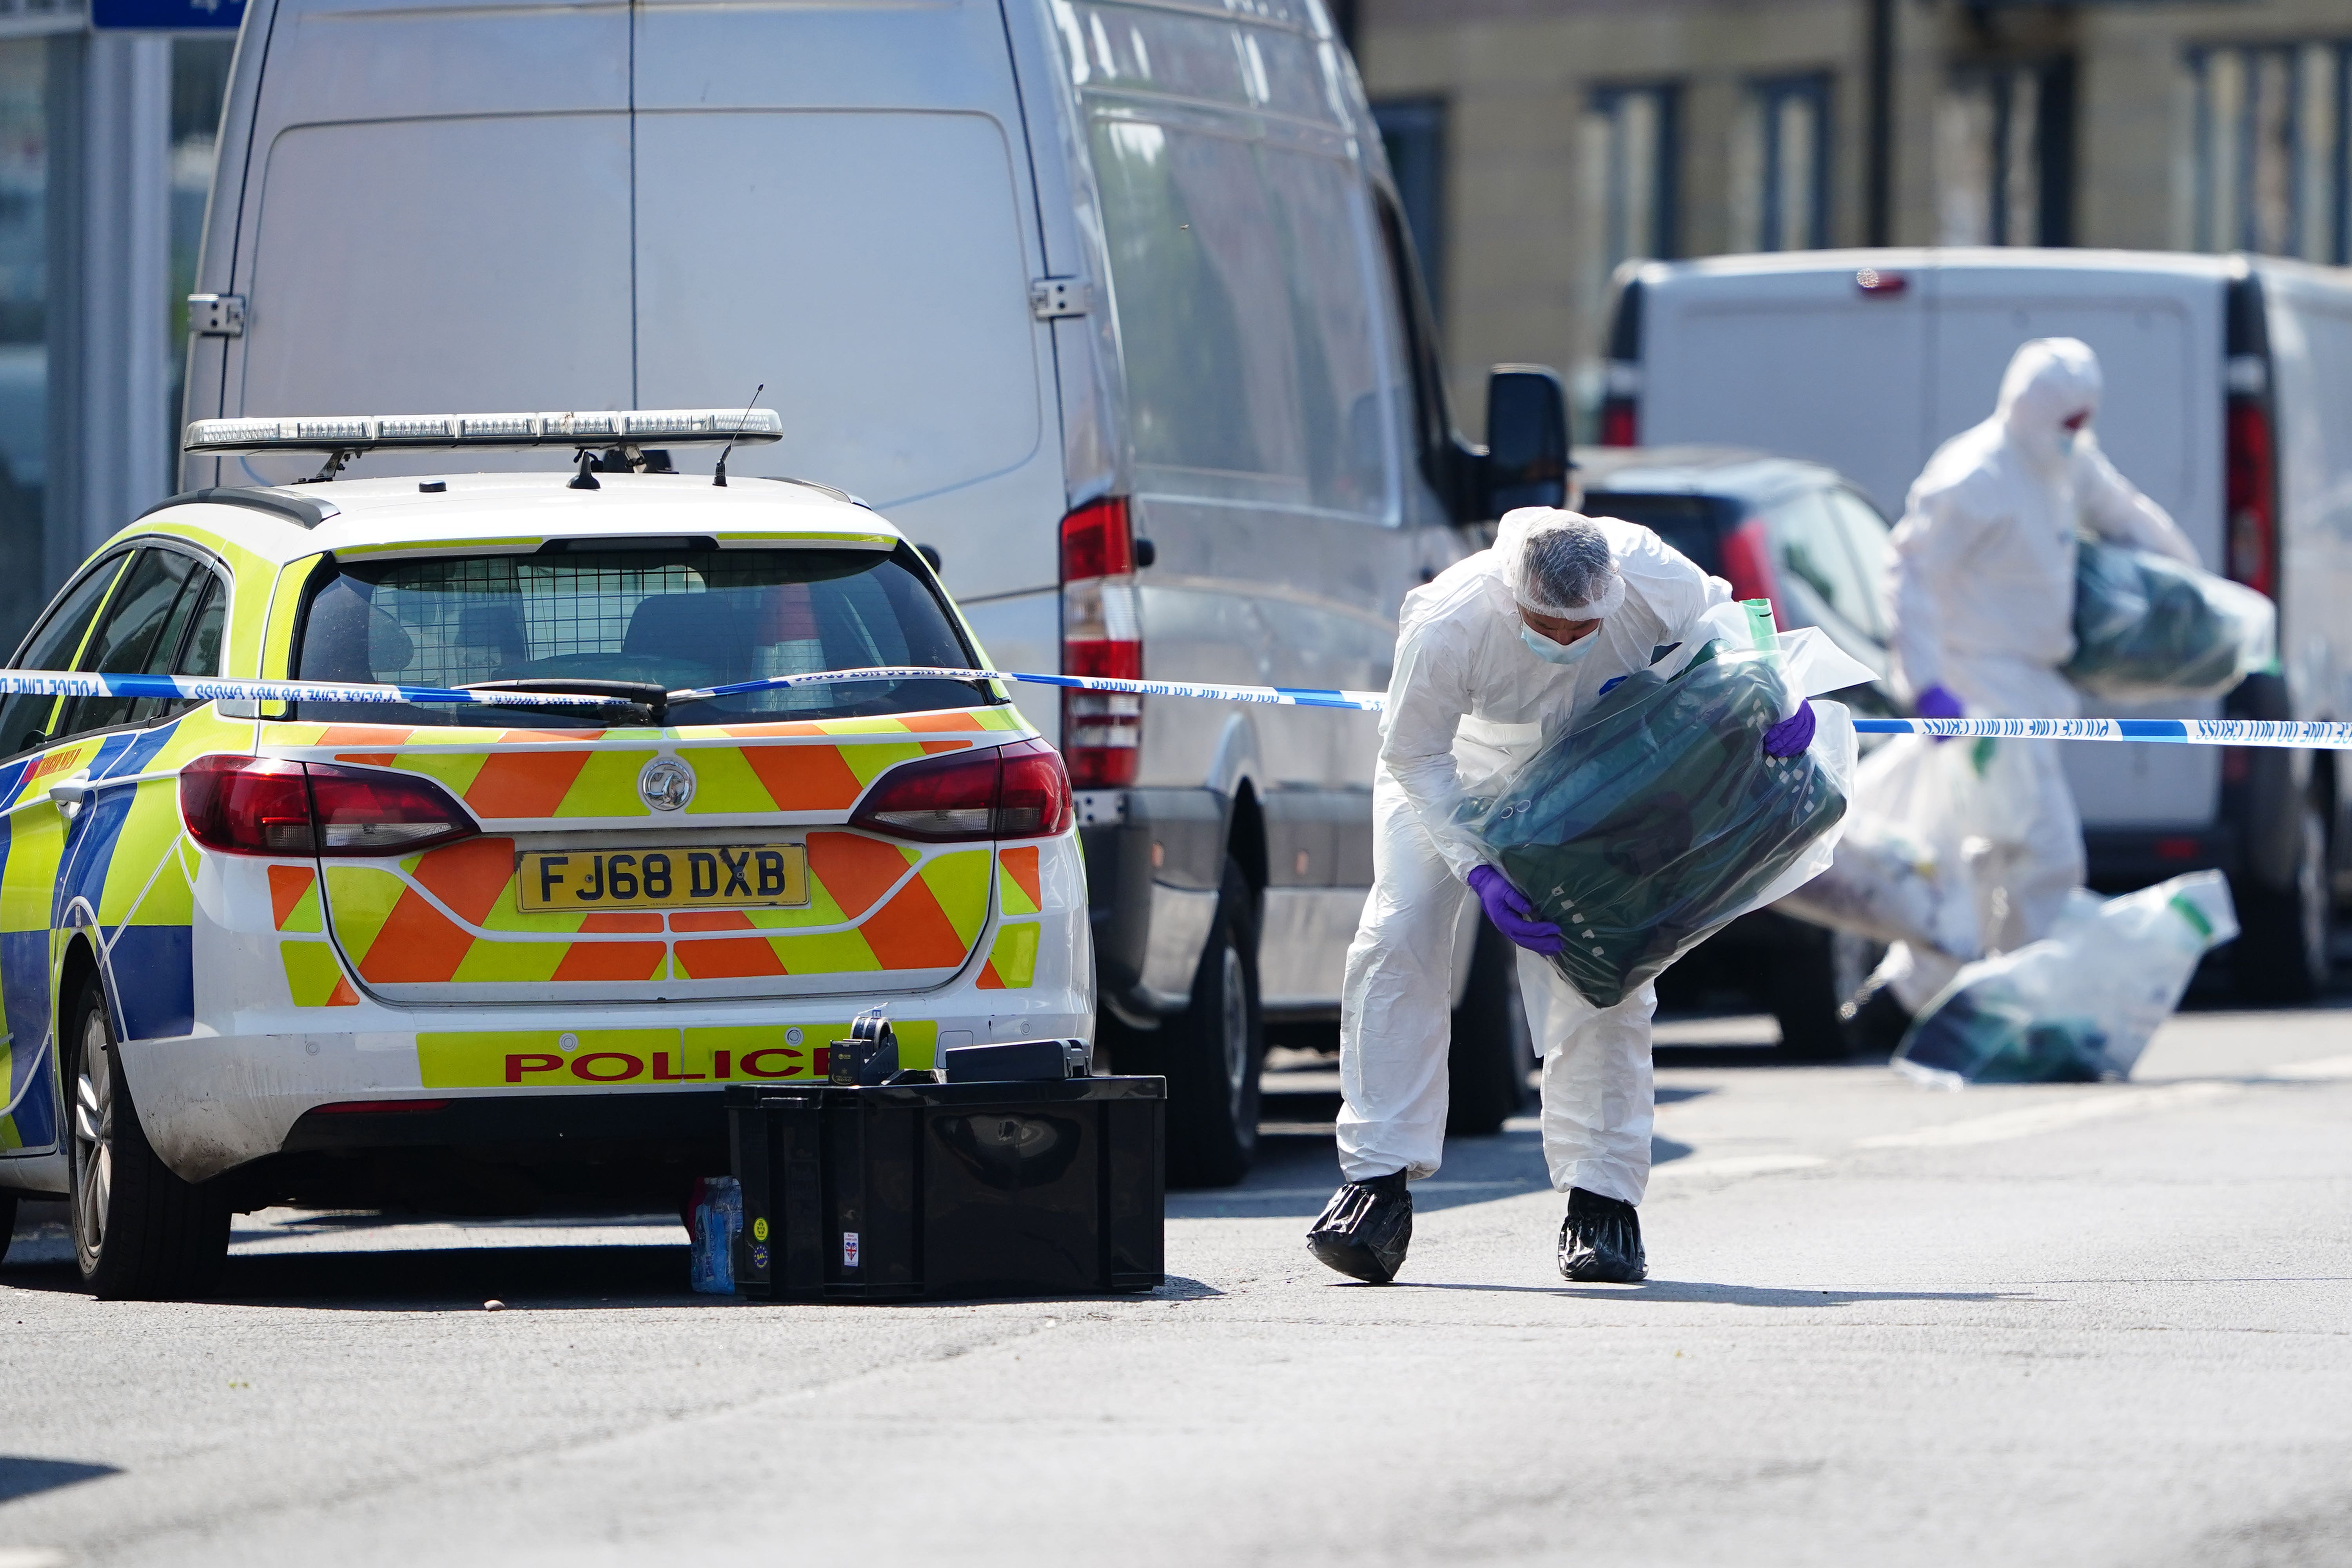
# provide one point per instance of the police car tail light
(1102, 634)
(360, 811)
(1014, 792)
(263, 806)
(940, 801)
(248, 805)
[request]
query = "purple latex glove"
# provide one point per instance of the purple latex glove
(1937, 703)
(1792, 735)
(1513, 915)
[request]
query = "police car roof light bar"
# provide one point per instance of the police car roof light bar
(421, 431)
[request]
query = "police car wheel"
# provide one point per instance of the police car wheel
(7, 1222)
(1215, 1051)
(139, 1231)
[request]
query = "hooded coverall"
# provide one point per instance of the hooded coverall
(1468, 699)
(1983, 585)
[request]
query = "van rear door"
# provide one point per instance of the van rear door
(1801, 361)
(836, 200)
(2158, 336)
(436, 216)
(2157, 331)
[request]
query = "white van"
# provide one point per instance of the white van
(2229, 400)
(1109, 305)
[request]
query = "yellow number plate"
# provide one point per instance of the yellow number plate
(710, 875)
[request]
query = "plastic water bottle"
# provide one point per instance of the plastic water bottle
(718, 1219)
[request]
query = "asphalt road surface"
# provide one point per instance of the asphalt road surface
(2079, 1325)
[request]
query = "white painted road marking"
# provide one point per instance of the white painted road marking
(1737, 1165)
(2325, 1068)
(2023, 1122)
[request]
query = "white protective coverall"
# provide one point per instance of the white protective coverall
(1468, 699)
(1983, 585)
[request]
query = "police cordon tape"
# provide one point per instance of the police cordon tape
(212, 688)
(2174, 731)
(221, 689)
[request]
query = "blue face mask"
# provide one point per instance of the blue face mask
(1550, 652)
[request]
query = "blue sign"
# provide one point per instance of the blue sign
(166, 15)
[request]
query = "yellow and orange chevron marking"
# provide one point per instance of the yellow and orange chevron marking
(1013, 957)
(450, 916)
(1019, 890)
(802, 766)
(294, 898)
(314, 976)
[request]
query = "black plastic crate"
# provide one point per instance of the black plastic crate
(949, 1189)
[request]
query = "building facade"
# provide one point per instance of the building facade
(106, 127)
(1542, 143)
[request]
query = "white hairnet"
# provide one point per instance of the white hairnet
(1558, 563)
(2049, 381)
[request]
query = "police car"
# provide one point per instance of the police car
(478, 955)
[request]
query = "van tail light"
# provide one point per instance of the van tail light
(1621, 423)
(1012, 792)
(263, 806)
(1747, 566)
(1102, 634)
(2253, 496)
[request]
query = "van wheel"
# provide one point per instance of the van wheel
(1491, 1054)
(139, 1231)
(1799, 986)
(1213, 1052)
(2285, 949)
(7, 1222)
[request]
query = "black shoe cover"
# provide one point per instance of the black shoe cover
(1601, 1241)
(1364, 1229)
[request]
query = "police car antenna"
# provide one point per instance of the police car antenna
(719, 477)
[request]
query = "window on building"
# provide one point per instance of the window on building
(1630, 151)
(2005, 155)
(2271, 149)
(1780, 175)
(1413, 131)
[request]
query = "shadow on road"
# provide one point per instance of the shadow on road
(539, 1279)
(23, 1476)
(1296, 1172)
(457, 1276)
(460, 1280)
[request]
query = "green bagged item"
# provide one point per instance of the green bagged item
(2079, 1005)
(2150, 629)
(1658, 818)
(1994, 1039)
